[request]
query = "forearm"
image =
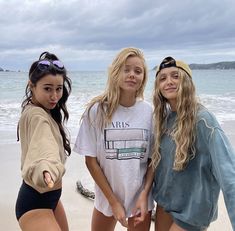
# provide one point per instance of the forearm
(148, 179)
(141, 206)
(100, 179)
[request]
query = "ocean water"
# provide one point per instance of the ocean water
(216, 89)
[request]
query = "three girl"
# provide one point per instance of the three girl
(192, 157)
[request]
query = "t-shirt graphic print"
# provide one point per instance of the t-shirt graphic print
(123, 144)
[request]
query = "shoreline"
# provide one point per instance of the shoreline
(78, 208)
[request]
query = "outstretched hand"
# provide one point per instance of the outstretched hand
(49, 181)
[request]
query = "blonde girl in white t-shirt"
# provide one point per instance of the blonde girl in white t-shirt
(115, 137)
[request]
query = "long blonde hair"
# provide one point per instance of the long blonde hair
(109, 100)
(183, 132)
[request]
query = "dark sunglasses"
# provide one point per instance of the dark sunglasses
(45, 64)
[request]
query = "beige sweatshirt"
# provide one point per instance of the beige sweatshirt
(42, 148)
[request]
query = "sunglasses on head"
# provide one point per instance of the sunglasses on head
(45, 64)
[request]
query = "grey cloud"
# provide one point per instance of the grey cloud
(88, 28)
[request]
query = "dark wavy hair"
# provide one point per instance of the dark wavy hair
(59, 113)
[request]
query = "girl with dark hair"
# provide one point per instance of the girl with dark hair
(44, 146)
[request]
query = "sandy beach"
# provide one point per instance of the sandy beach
(78, 208)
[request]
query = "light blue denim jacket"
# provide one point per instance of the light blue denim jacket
(191, 195)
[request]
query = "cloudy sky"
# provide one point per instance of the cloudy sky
(87, 34)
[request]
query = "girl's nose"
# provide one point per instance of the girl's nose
(169, 80)
(132, 74)
(54, 95)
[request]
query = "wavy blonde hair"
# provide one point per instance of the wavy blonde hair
(183, 132)
(109, 100)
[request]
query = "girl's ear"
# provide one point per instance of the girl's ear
(30, 85)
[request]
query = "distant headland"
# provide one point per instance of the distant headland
(1, 70)
(194, 66)
(219, 65)
(211, 66)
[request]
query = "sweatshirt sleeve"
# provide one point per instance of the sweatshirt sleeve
(223, 162)
(42, 154)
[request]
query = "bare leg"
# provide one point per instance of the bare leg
(39, 220)
(143, 226)
(175, 227)
(100, 222)
(60, 217)
(163, 221)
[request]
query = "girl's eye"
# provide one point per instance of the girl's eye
(47, 89)
(138, 71)
(162, 78)
(175, 75)
(59, 89)
(126, 70)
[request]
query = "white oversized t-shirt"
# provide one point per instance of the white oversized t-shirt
(122, 150)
